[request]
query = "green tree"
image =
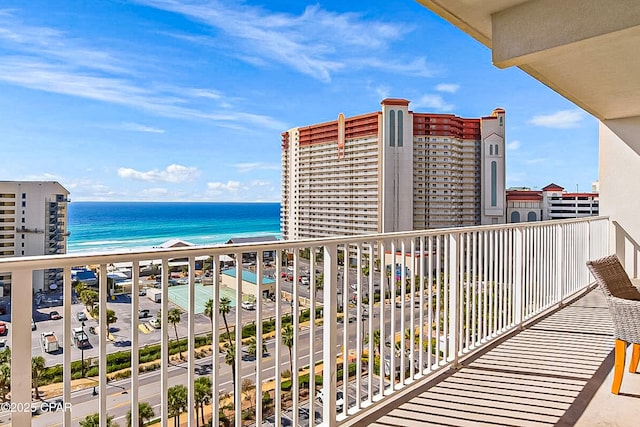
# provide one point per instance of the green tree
(5, 381)
(202, 395)
(93, 420)
(230, 359)
(37, 368)
(173, 317)
(252, 347)
(111, 317)
(88, 297)
(145, 413)
(176, 402)
(287, 339)
(225, 308)
(209, 310)
(376, 341)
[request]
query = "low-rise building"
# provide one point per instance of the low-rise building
(552, 202)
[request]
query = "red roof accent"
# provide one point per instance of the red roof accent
(524, 195)
(553, 187)
(395, 101)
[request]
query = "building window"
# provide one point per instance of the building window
(400, 132)
(531, 216)
(496, 149)
(392, 128)
(515, 217)
(494, 183)
(491, 150)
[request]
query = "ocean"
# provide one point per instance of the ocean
(105, 226)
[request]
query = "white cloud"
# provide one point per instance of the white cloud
(563, 119)
(251, 166)
(136, 127)
(536, 161)
(513, 145)
(229, 186)
(316, 42)
(50, 60)
(434, 102)
(259, 183)
(383, 91)
(172, 173)
(448, 87)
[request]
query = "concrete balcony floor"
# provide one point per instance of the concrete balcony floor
(556, 372)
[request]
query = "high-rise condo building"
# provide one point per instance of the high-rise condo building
(33, 221)
(392, 170)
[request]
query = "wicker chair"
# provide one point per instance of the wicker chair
(623, 300)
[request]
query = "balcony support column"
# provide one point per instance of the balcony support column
(329, 334)
(21, 344)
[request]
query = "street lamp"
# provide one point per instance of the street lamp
(82, 350)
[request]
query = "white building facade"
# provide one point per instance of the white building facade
(552, 202)
(392, 170)
(33, 221)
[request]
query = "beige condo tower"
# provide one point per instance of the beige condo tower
(392, 170)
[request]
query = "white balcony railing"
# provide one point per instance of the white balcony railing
(412, 305)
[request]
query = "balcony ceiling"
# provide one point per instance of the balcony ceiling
(586, 50)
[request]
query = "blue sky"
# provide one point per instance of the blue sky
(167, 100)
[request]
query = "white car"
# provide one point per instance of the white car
(248, 305)
(155, 322)
(339, 398)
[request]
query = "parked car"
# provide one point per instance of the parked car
(3, 344)
(82, 316)
(33, 324)
(54, 315)
(3, 328)
(339, 398)
(142, 292)
(155, 322)
(248, 305)
(144, 313)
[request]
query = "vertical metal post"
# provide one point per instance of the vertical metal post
(454, 298)
(329, 335)
(21, 285)
(518, 250)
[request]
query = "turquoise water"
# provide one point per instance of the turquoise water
(102, 226)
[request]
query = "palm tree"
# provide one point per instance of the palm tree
(145, 412)
(93, 420)
(252, 348)
(208, 310)
(225, 308)
(111, 319)
(174, 317)
(176, 402)
(202, 395)
(37, 368)
(287, 339)
(230, 359)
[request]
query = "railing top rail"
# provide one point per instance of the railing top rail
(118, 256)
